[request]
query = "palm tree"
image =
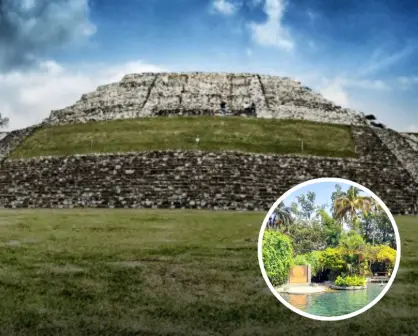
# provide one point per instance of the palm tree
(284, 216)
(347, 206)
(355, 246)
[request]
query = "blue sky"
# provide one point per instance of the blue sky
(322, 190)
(360, 54)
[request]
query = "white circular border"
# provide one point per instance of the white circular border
(340, 317)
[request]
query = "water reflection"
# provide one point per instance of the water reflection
(299, 301)
(334, 303)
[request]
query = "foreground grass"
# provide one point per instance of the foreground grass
(216, 134)
(129, 272)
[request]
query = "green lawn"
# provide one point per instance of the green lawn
(215, 133)
(132, 272)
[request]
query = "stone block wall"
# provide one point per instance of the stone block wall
(412, 139)
(402, 148)
(162, 94)
(175, 179)
(13, 139)
(287, 99)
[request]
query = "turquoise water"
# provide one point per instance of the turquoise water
(334, 303)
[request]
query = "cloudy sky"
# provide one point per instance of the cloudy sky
(360, 54)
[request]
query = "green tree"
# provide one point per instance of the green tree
(277, 256)
(284, 217)
(354, 247)
(307, 238)
(347, 206)
(332, 228)
(307, 204)
(332, 259)
(307, 231)
(305, 208)
(336, 194)
(377, 228)
(387, 256)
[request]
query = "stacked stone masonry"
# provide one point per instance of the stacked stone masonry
(164, 94)
(402, 148)
(412, 139)
(13, 139)
(175, 179)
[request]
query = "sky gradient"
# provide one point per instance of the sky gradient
(362, 55)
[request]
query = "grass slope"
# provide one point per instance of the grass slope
(131, 272)
(215, 133)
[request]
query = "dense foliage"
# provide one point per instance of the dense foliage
(312, 258)
(354, 238)
(346, 281)
(333, 259)
(277, 256)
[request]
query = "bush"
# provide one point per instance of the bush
(350, 281)
(312, 258)
(277, 256)
(301, 259)
(386, 254)
(333, 259)
(315, 262)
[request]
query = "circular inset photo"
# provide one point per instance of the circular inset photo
(329, 249)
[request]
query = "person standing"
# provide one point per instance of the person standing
(223, 108)
(252, 108)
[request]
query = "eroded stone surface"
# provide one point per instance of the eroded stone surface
(162, 94)
(403, 149)
(412, 139)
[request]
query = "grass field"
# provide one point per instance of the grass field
(131, 272)
(215, 133)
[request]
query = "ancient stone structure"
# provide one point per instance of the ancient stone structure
(162, 94)
(402, 148)
(173, 179)
(13, 139)
(412, 139)
(386, 163)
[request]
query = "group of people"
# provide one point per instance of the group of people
(273, 220)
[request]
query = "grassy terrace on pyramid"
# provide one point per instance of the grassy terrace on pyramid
(160, 140)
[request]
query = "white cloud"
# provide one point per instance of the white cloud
(32, 28)
(224, 7)
(334, 91)
(272, 33)
(28, 97)
(366, 84)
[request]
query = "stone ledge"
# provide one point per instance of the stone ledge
(232, 181)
